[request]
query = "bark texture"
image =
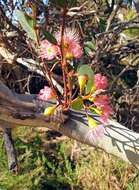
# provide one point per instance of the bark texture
(16, 109)
(10, 150)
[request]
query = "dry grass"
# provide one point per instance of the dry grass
(63, 166)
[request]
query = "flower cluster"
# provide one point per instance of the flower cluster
(100, 104)
(100, 81)
(48, 50)
(90, 88)
(101, 101)
(71, 46)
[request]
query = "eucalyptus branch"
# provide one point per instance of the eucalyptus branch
(118, 140)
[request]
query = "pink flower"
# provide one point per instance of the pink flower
(71, 46)
(96, 134)
(46, 94)
(71, 43)
(102, 102)
(77, 52)
(100, 81)
(48, 50)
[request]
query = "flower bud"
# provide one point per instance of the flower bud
(49, 110)
(82, 80)
(92, 122)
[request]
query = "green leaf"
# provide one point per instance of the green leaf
(130, 186)
(90, 45)
(27, 24)
(102, 25)
(31, 21)
(50, 37)
(85, 69)
(77, 104)
(130, 2)
(87, 51)
(130, 14)
(95, 110)
(131, 33)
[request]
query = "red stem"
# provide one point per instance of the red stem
(70, 90)
(63, 59)
(51, 83)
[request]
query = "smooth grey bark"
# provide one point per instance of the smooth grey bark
(27, 110)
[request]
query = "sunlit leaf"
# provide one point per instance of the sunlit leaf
(86, 70)
(95, 110)
(130, 32)
(82, 80)
(92, 122)
(31, 21)
(27, 24)
(77, 104)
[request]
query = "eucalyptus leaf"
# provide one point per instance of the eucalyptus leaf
(95, 110)
(27, 24)
(102, 25)
(30, 21)
(87, 50)
(77, 104)
(86, 70)
(90, 45)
